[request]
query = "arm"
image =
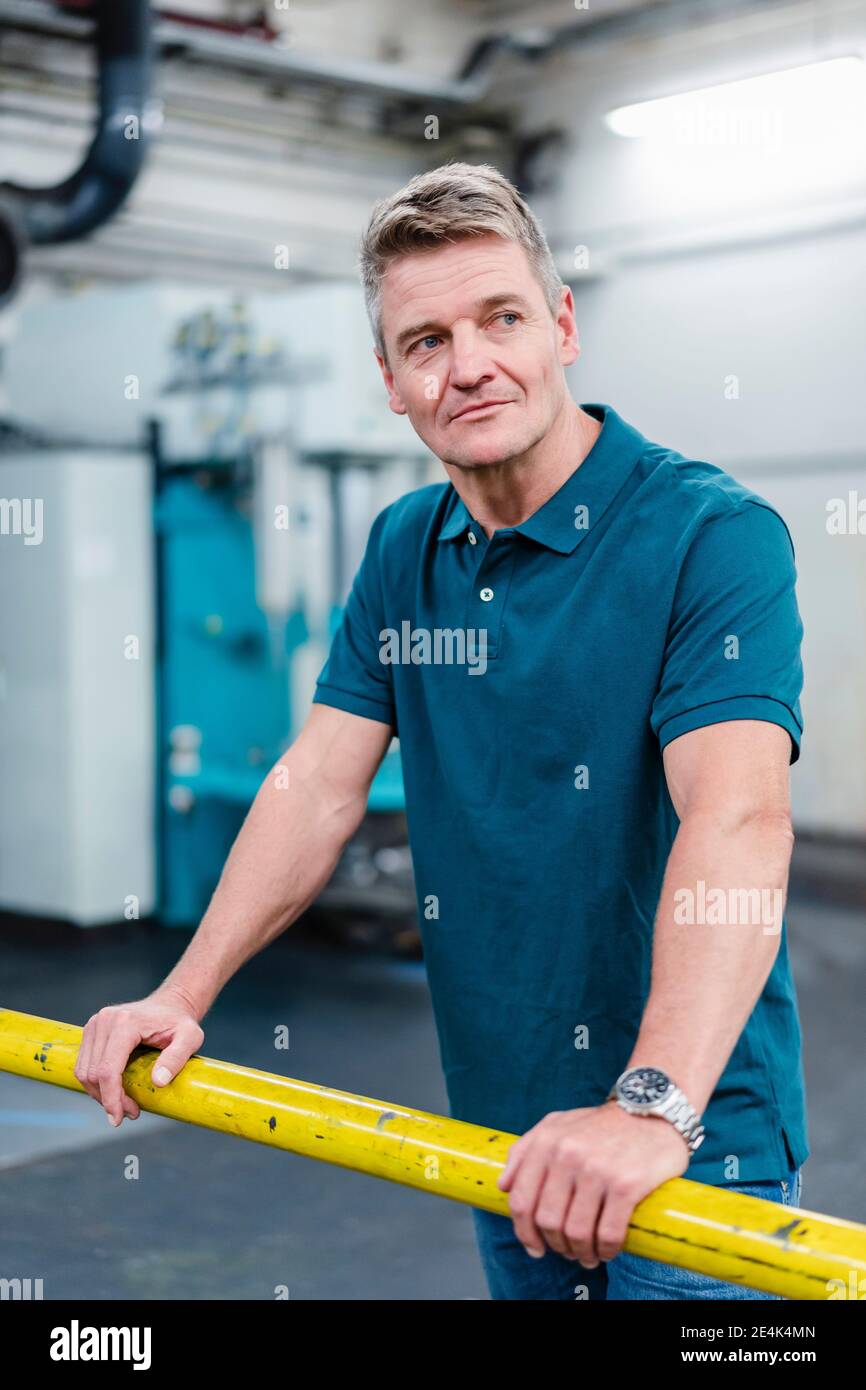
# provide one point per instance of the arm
(729, 786)
(308, 806)
(576, 1177)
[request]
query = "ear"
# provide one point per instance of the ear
(566, 328)
(395, 400)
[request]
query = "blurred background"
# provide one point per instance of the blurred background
(194, 439)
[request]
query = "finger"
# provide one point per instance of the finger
(174, 1058)
(123, 1039)
(131, 1108)
(582, 1218)
(524, 1199)
(613, 1223)
(515, 1157)
(82, 1061)
(99, 1026)
(554, 1201)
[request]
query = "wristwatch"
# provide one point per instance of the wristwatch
(649, 1091)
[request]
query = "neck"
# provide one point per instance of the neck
(504, 494)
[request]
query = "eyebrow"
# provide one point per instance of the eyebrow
(480, 306)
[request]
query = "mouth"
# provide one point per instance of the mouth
(477, 412)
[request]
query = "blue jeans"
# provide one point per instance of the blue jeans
(511, 1273)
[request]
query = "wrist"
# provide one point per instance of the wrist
(650, 1093)
(175, 993)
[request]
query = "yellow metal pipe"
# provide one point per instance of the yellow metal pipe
(744, 1240)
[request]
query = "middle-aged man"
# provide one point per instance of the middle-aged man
(596, 776)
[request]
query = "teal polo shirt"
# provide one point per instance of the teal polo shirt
(652, 594)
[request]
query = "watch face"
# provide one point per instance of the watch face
(646, 1086)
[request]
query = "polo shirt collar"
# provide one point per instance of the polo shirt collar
(593, 485)
(457, 518)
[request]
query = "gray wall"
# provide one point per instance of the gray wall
(749, 263)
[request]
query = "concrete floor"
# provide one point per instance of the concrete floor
(212, 1217)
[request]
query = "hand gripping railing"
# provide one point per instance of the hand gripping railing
(745, 1240)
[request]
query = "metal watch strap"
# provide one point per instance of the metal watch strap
(684, 1117)
(679, 1111)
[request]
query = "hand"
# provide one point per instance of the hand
(163, 1020)
(576, 1177)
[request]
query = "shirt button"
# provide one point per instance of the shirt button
(486, 594)
(472, 538)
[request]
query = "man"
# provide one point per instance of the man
(596, 776)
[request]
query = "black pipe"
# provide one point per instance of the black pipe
(89, 197)
(11, 251)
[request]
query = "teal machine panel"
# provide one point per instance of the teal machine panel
(224, 687)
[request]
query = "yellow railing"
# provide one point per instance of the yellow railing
(763, 1245)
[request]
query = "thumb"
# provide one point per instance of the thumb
(171, 1061)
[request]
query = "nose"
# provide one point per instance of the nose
(470, 364)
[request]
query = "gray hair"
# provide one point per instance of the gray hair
(446, 205)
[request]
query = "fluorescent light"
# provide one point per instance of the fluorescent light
(814, 102)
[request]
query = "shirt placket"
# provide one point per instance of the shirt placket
(488, 591)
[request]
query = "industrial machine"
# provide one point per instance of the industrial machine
(208, 469)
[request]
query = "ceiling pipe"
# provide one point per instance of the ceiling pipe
(100, 186)
(197, 40)
(475, 77)
(90, 196)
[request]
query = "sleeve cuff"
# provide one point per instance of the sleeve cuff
(355, 704)
(738, 707)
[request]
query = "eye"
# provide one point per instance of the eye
(428, 343)
(509, 314)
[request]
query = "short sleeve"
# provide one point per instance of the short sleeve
(353, 677)
(733, 642)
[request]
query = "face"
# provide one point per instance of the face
(474, 356)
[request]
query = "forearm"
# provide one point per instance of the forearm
(707, 975)
(283, 856)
